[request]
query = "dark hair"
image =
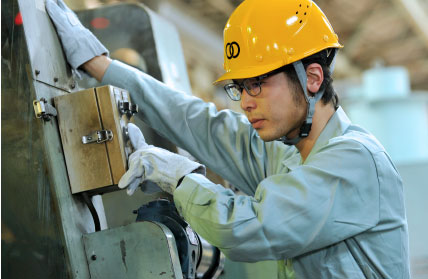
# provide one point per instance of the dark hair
(327, 84)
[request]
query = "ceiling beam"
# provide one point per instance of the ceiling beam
(352, 44)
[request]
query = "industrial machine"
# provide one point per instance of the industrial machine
(65, 146)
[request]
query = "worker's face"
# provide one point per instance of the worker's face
(278, 110)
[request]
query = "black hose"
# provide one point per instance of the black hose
(91, 208)
(214, 264)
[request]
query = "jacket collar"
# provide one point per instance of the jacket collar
(336, 126)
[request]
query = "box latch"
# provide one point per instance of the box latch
(98, 137)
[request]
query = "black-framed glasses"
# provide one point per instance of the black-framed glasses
(253, 86)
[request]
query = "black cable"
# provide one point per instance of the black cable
(214, 264)
(91, 208)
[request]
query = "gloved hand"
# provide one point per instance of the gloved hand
(79, 44)
(155, 164)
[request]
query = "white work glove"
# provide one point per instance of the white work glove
(79, 44)
(155, 164)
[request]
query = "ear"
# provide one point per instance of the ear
(315, 77)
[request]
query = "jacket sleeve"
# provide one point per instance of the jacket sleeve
(224, 141)
(333, 196)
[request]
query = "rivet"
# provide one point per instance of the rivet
(291, 51)
(326, 38)
(259, 58)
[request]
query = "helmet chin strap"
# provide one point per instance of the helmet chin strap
(311, 101)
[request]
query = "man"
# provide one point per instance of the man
(326, 204)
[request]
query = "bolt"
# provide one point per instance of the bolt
(55, 79)
(37, 72)
(93, 257)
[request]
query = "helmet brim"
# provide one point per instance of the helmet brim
(249, 72)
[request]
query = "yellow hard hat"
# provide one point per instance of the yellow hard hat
(261, 36)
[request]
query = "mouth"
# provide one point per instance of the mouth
(257, 123)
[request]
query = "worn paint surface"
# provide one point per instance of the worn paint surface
(138, 250)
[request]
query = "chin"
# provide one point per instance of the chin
(268, 137)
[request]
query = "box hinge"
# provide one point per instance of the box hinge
(43, 109)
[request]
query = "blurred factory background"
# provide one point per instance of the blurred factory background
(381, 76)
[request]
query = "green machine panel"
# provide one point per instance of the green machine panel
(139, 250)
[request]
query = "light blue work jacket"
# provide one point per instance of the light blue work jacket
(338, 214)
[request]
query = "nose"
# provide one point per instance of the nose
(248, 102)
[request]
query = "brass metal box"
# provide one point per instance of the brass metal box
(92, 125)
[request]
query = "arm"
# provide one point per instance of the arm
(311, 207)
(97, 66)
(224, 141)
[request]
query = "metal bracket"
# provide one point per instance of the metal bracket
(98, 137)
(42, 109)
(128, 108)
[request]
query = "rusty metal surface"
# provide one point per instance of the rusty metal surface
(32, 245)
